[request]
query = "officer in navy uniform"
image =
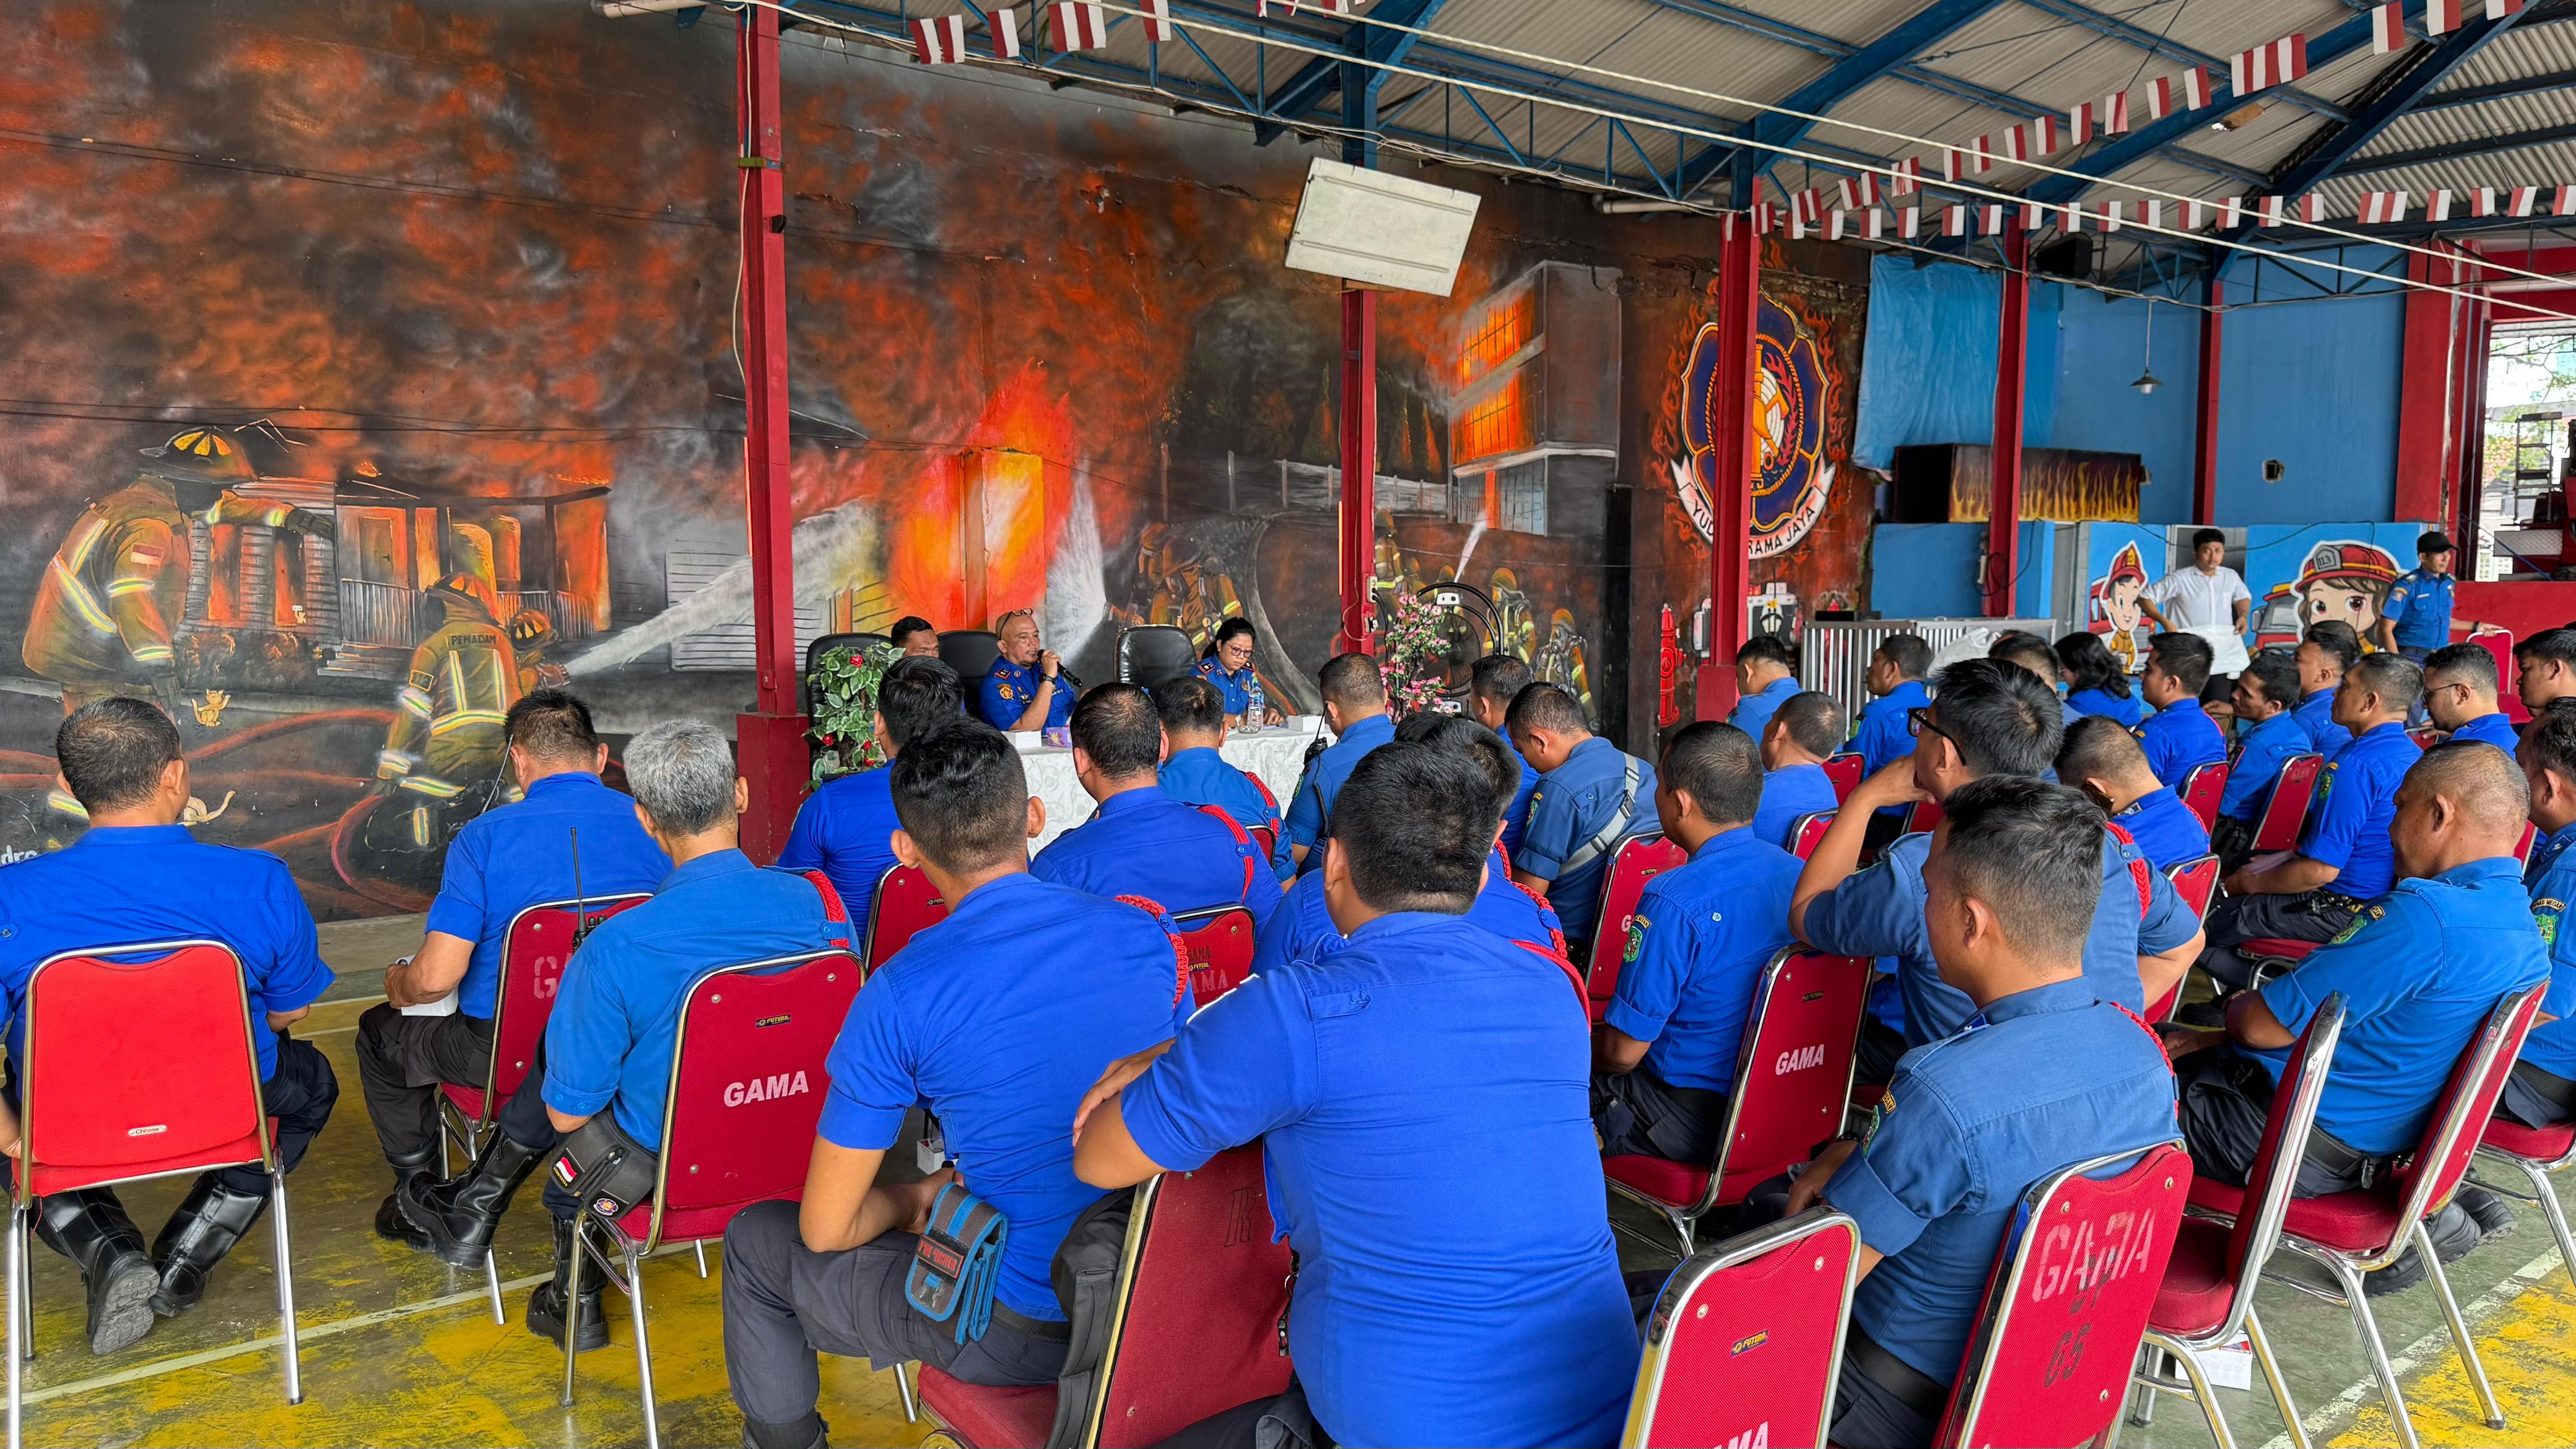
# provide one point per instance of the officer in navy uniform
(610, 1038)
(2545, 667)
(1989, 718)
(998, 1017)
(570, 835)
(1229, 667)
(1196, 772)
(1766, 677)
(845, 829)
(1663, 1057)
(1457, 1283)
(2419, 969)
(2542, 1090)
(2107, 764)
(2043, 1074)
(2415, 620)
(1025, 690)
(1493, 682)
(1355, 711)
(1591, 799)
(2179, 737)
(1140, 841)
(134, 877)
(1802, 735)
(2461, 695)
(2326, 654)
(2264, 697)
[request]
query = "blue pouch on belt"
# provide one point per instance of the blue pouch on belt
(955, 1269)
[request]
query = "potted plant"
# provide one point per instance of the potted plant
(844, 682)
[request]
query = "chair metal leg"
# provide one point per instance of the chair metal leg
(700, 1247)
(2459, 1327)
(572, 1310)
(27, 1290)
(492, 1285)
(2297, 1431)
(2368, 1323)
(643, 1346)
(17, 1320)
(285, 1283)
(903, 1386)
(2551, 1208)
(2145, 1417)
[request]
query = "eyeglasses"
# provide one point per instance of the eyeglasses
(1918, 722)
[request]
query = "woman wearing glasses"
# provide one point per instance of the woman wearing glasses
(1228, 665)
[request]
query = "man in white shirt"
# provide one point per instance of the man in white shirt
(2208, 595)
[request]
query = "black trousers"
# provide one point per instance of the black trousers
(2314, 916)
(1874, 1059)
(401, 1062)
(1285, 1422)
(1640, 1114)
(1871, 1415)
(2226, 1097)
(2232, 841)
(2536, 1098)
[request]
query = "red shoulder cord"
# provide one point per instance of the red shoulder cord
(1172, 933)
(834, 913)
(1242, 844)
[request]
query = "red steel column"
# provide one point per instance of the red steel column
(2204, 482)
(1359, 471)
(769, 743)
(2012, 358)
(1730, 500)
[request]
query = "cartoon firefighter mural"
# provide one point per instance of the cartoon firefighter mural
(2112, 608)
(442, 758)
(2344, 579)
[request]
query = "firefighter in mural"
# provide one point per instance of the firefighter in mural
(530, 632)
(1562, 661)
(1182, 590)
(1515, 627)
(2347, 581)
(442, 759)
(2112, 608)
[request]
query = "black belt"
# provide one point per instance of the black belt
(2332, 1154)
(1004, 1316)
(1909, 1385)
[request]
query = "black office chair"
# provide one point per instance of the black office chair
(1153, 654)
(857, 644)
(971, 653)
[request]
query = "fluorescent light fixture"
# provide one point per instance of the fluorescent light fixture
(1380, 230)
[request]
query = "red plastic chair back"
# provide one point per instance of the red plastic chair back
(1793, 1075)
(1636, 863)
(2425, 737)
(2201, 790)
(1845, 770)
(2530, 838)
(1809, 832)
(2196, 881)
(1924, 818)
(906, 903)
(1219, 946)
(2287, 811)
(2049, 1362)
(540, 943)
(138, 1067)
(1267, 838)
(2468, 1099)
(2285, 1142)
(2499, 643)
(1746, 1339)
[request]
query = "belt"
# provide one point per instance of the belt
(1909, 1385)
(2332, 1154)
(1004, 1316)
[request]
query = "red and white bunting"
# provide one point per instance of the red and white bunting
(2034, 215)
(939, 39)
(1798, 227)
(2564, 203)
(2160, 97)
(2499, 9)
(2482, 201)
(2231, 212)
(1266, 8)
(2017, 143)
(1005, 27)
(2109, 212)
(1994, 218)
(1909, 222)
(1859, 191)
(2195, 215)
(1877, 223)
(2312, 208)
(2047, 135)
(1807, 207)
(2524, 198)
(1953, 164)
(2114, 114)
(1985, 153)
(2079, 124)
(1954, 222)
(1074, 25)
(2383, 208)
(2148, 213)
(2437, 206)
(1839, 226)
(2388, 28)
(2195, 87)
(2441, 17)
(2266, 66)
(1908, 178)
(1157, 15)
(2269, 210)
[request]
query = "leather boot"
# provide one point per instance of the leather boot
(207, 1224)
(2454, 1234)
(391, 1225)
(90, 1228)
(460, 1214)
(546, 1304)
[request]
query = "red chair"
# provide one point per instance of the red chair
(1203, 1292)
(2196, 881)
(2208, 1293)
(1266, 837)
(2353, 1233)
(2424, 736)
(137, 1069)
(2530, 838)
(1637, 862)
(2084, 1270)
(1784, 1290)
(2538, 1151)
(1218, 943)
(2201, 790)
(906, 903)
(1809, 832)
(1793, 1079)
(1923, 818)
(2286, 812)
(1845, 770)
(746, 1090)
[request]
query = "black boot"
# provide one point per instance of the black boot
(546, 1305)
(2454, 1234)
(391, 1225)
(207, 1224)
(90, 1228)
(460, 1214)
(2492, 1214)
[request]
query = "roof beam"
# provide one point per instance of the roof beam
(1305, 90)
(2454, 150)
(2471, 95)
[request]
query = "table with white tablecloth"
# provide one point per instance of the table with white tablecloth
(1274, 755)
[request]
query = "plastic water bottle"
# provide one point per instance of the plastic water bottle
(1255, 711)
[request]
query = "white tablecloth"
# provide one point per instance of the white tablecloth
(1276, 755)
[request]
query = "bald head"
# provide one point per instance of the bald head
(2463, 801)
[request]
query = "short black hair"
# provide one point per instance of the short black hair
(2207, 535)
(1767, 648)
(2001, 720)
(906, 627)
(2089, 664)
(1117, 727)
(1545, 706)
(1718, 767)
(550, 724)
(2337, 638)
(915, 695)
(1464, 737)
(2553, 646)
(1352, 681)
(960, 793)
(1413, 825)
(1230, 629)
(1190, 705)
(2278, 675)
(2187, 657)
(1814, 721)
(2550, 739)
(2394, 678)
(1499, 678)
(2031, 652)
(2100, 749)
(2032, 852)
(1908, 652)
(2470, 664)
(112, 751)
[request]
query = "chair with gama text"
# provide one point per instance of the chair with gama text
(1809, 833)
(906, 903)
(2202, 789)
(1746, 1339)
(1636, 863)
(1218, 944)
(140, 1062)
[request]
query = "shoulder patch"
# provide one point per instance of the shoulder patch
(1636, 940)
(1877, 1116)
(2353, 929)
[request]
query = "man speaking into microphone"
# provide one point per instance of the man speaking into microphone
(1028, 687)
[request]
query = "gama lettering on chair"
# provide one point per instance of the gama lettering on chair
(2070, 1260)
(1757, 1437)
(765, 1089)
(1799, 1059)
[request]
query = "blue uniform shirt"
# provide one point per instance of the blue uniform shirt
(2552, 880)
(846, 831)
(2316, 712)
(1204, 777)
(2258, 764)
(2493, 729)
(2419, 970)
(2356, 799)
(1516, 814)
(1571, 805)
(608, 1043)
(2128, 709)
(1884, 733)
(1001, 1017)
(1010, 689)
(1235, 686)
(1456, 1280)
(1145, 843)
(1752, 713)
(2041, 1080)
(2418, 606)
(1879, 912)
(2180, 738)
(1695, 952)
(521, 855)
(1313, 807)
(2165, 829)
(1789, 794)
(135, 884)
(1302, 928)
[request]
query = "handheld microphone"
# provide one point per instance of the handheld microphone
(1065, 672)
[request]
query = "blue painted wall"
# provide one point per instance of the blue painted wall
(1929, 570)
(2313, 384)
(2102, 345)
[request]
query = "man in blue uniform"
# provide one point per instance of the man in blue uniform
(570, 835)
(2415, 619)
(1355, 711)
(2419, 971)
(2043, 1075)
(1590, 798)
(1663, 1058)
(1456, 1279)
(2461, 696)
(1885, 730)
(1765, 678)
(135, 876)
(2031, 652)
(1990, 718)
(846, 828)
(1196, 772)
(2106, 763)
(1493, 682)
(1140, 841)
(2180, 737)
(2269, 734)
(1802, 735)
(2326, 653)
(998, 1018)
(609, 1041)
(2545, 668)
(2542, 1089)
(1025, 690)
(2345, 859)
